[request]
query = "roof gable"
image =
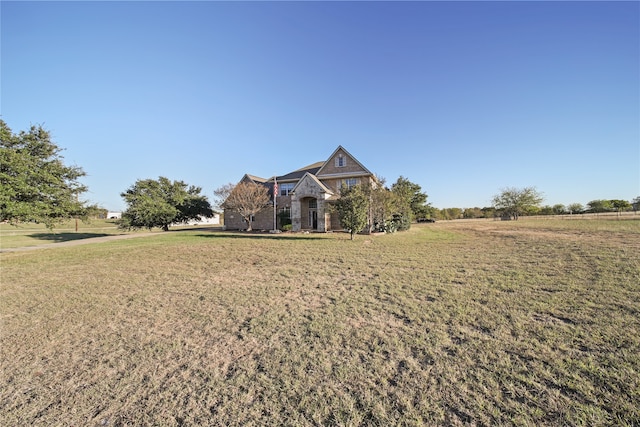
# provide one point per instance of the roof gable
(253, 178)
(341, 162)
(311, 181)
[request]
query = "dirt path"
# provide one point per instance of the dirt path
(79, 242)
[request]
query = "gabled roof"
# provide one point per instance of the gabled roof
(340, 147)
(253, 178)
(299, 173)
(315, 180)
(258, 180)
(314, 169)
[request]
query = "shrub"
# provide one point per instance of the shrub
(401, 222)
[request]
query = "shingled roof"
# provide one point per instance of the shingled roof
(297, 174)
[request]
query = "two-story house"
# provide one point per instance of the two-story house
(305, 195)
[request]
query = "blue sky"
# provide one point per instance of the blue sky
(462, 98)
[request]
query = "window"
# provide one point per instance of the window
(285, 212)
(313, 204)
(286, 188)
(341, 161)
(349, 182)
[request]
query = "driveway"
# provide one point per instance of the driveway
(79, 242)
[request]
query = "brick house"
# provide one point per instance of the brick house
(305, 195)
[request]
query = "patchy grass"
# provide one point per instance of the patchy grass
(460, 323)
(25, 235)
(13, 236)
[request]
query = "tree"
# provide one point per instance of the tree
(35, 184)
(620, 205)
(472, 213)
(97, 212)
(575, 208)
(381, 206)
(222, 193)
(160, 203)
(546, 210)
(353, 208)
(411, 201)
(488, 212)
(451, 213)
(194, 206)
(636, 204)
(598, 206)
(246, 198)
(514, 202)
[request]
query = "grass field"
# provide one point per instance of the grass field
(27, 235)
(36, 234)
(456, 323)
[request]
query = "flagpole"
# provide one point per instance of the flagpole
(275, 196)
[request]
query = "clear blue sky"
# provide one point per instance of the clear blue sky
(462, 98)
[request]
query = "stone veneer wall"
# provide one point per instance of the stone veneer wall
(307, 188)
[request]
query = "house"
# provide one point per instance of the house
(305, 195)
(202, 220)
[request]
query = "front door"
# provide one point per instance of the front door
(313, 214)
(313, 219)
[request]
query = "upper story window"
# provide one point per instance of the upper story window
(286, 188)
(341, 161)
(350, 182)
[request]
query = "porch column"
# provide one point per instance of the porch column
(296, 213)
(322, 226)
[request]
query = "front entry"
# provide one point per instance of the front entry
(308, 212)
(312, 205)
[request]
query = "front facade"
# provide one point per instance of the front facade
(305, 195)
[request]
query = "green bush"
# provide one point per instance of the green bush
(401, 222)
(386, 227)
(285, 218)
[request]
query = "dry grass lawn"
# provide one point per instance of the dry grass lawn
(461, 323)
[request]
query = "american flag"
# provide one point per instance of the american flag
(275, 188)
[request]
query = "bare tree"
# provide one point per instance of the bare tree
(222, 193)
(246, 198)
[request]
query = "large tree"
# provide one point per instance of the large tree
(353, 209)
(246, 198)
(620, 205)
(35, 184)
(411, 202)
(160, 203)
(598, 206)
(514, 202)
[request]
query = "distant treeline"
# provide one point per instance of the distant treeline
(594, 206)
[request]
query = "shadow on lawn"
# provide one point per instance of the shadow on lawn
(262, 235)
(66, 237)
